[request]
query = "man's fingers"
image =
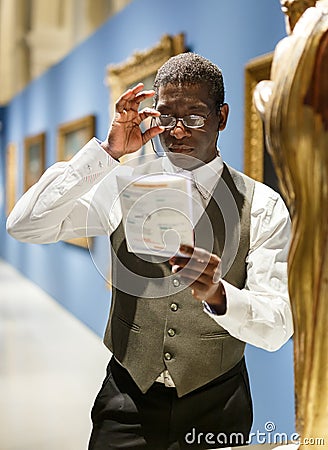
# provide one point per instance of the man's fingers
(148, 112)
(131, 114)
(199, 261)
(151, 133)
(199, 254)
(132, 98)
(191, 277)
(140, 97)
(132, 92)
(216, 278)
(122, 101)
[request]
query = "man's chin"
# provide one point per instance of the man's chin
(184, 161)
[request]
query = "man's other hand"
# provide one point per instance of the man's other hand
(202, 271)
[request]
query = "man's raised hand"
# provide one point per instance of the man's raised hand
(125, 135)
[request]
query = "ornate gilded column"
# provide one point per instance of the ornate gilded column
(294, 107)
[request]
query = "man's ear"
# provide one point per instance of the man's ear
(224, 113)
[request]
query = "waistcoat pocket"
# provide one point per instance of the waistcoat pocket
(214, 334)
(131, 325)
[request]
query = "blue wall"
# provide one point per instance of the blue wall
(2, 175)
(229, 33)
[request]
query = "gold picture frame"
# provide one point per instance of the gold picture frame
(71, 137)
(11, 176)
(34, 159)
(142, 67)
(256, 70)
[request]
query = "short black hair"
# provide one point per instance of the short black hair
(191, 68)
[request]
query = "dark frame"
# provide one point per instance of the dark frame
(34, 159)
(256, 70)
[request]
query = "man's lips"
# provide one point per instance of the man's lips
(180, 148)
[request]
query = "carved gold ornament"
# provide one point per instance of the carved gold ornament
(294, 107)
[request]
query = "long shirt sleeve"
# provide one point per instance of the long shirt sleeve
(260, 314)
(64, 203)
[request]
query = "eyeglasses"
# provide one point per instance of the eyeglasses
(191, 121)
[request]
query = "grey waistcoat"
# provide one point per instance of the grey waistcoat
(158, 325)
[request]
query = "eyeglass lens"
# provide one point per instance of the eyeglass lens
(192, 121)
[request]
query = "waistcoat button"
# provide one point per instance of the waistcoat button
(171, 332)
(174, 307)
(167, 356)
(176, 282)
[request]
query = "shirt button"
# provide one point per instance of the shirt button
(174, 307)
(176, 282)
(171, 332)
(167, 356)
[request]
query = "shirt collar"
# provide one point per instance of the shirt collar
(205, 177)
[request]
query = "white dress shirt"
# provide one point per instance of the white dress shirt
(79, 197)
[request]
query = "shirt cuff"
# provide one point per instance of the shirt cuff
(208, 308)
(92, 161)
(238, 307)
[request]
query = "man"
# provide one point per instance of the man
(177, 328)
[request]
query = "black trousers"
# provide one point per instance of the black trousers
(216, 415)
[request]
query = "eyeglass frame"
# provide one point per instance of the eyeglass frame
(182, 119)
(177, 119)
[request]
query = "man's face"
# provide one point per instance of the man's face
(190, 147)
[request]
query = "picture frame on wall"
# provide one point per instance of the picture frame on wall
(71, 137)
(34, 159)
(11, 176)
(142, 66)
(257, 161)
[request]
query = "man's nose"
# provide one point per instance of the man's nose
(180, 131)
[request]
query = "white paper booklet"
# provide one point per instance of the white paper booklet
(157, 213)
